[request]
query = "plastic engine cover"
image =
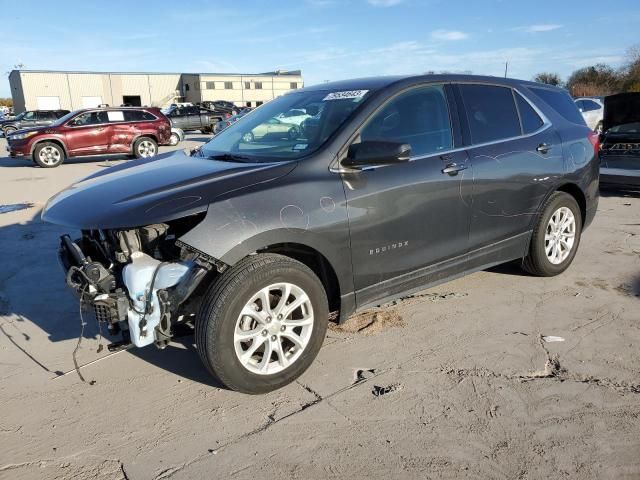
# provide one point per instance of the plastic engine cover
(137, 277)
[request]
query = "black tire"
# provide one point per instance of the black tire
(48, 155)
(220, 310)
(536, 262)
(145, 140)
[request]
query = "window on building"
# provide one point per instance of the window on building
(259, 103)
(293, 85)
(258, 85)
(248, 104)
(419, 117)
(186, 87)
(247, 85)
(210, 85)
(531, 121)
(491, 112)
(228, 85)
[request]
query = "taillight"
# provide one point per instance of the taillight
(594, 138)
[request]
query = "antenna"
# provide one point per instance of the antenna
(506, 68)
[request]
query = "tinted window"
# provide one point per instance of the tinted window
(590, 105)
(491, 112)
(46, 116)
(561, 102)
(531, 121)
(148, 116)
(133, 115)
(579, 103)
(419, 117)
(90, 118)
(29, 116)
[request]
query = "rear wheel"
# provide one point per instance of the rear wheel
(145, 147)
(48, 154)
(262, 323)
(555, 237)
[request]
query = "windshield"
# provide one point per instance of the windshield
(62, 120)
(289, 127)
(626, 128)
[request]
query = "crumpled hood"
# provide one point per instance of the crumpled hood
(154, 190)
(621, 109)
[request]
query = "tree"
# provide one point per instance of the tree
(597, 80)
(6, 102)
(630, 72)
(548, 78)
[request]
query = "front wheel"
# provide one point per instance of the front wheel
(48, 155)
(262, 323)
(174, 139)
(555, 237)
(145, 147)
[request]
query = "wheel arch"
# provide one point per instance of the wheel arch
(57, 141)
(316, 261)
(576, 192)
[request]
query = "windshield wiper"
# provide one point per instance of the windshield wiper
(229, 157)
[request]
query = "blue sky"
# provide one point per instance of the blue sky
(327, 39)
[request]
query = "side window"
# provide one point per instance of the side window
(29, 116)
(491, 112)
(531, 121)
(148, 116)
(419, 117)
(90, 118)
(580, 104)
(590, 105)
(561, 102)
(46, 116)
(132, 115)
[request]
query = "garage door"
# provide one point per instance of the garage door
(48, 103)
(91, 102)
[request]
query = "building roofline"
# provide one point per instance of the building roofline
(276, 73)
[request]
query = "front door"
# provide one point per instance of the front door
(409, 222)
(88, 134)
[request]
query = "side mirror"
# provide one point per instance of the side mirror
(373, 153)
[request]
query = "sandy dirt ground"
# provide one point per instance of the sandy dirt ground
(454, 382)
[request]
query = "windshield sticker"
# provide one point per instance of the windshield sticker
(115, 116)
(300, 146)
(345, 95)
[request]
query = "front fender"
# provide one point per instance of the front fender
(307, 211)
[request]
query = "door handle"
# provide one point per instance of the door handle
(453, 168)
(543, 148)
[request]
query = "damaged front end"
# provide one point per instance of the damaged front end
(140, 282)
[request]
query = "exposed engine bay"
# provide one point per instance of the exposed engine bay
(140, 282)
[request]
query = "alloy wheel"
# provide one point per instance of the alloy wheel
(49, 155)
(146, 148)
(273, 328)
(560, 235)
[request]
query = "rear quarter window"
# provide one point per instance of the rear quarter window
(491, 112)
(561, 102)
(530, 119)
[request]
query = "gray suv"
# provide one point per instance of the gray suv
(387, 186)
(31, 118)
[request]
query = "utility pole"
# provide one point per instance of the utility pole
(506, 68)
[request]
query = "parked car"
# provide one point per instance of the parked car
(177, 136)
(227, 122)
(620, 142)
(30, 119)
(94, 131)
(592, 109)
(272, 129)
(399, 183)
(221, 107)
(193, 118)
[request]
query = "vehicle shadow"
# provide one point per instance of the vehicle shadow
(614, 192)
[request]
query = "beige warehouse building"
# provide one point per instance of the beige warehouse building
(50, 90)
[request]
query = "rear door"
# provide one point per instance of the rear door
(89, 133)
(409, 220)
(515, 156)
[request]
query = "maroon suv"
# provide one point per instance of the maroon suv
(96, 131)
